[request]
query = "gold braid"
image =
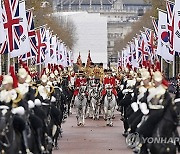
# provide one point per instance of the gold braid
(17, 100)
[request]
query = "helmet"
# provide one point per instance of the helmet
(7, 79)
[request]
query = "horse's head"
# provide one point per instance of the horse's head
(83, 89)
(4, 117)
(95, 88)
(177, 109)
(109, 89)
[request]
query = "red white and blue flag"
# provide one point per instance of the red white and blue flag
(41, 44)
(155, 25)
(11, 25)
(170, 22)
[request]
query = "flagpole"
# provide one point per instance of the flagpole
(39, 68)
(0, 65)
(8, 61)
(161, 64)
(173, 75)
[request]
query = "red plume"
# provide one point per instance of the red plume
(12, 73)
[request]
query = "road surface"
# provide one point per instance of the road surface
(93, 138)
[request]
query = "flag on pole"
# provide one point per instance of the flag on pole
(11, 26)
(89, 61)
(163, 38)
(53, 55)
(79, 61)
(47, 52)
(2, 31)
(60, 55)
(24, 45)
(41, 44)
(170, 21)
(155, 24)
(176, 40)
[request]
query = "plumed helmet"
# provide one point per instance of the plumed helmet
(22, 73)
(7, 79)
(52, 75)
(145, 75)
(157, 76)
(28, 79)
(44, 78)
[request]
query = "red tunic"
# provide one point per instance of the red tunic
(78, 83)
(112, 82)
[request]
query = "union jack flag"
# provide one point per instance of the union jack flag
(143, 54)
(32, 37)
(151, 43)
(170, 21)
(41, 44)
(155, 25)
(11, 25)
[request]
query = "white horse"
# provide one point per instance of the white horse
(109, 105)
(80, 105)
(95, 101)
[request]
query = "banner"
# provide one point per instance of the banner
(163, 38)
(176, 43)
(2, 32)
(24, 45)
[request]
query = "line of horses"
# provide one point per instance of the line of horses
(90, 103)
(42, 133)
(165, 129)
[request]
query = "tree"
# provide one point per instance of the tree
(43, 12)
(145, 21)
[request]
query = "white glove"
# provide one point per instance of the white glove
(53, 99)
(31, 104)
(134, 106)
(37, 102)
(144, 109)
(18, 110)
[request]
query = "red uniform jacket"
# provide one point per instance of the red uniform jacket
(78, 83)
(112, 82)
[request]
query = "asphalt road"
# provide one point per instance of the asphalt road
(94, 138)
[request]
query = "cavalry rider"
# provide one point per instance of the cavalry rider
(109, 80)
(28, 94)
(11, 97)
(80, 80)
(157, 99)
(138, 106)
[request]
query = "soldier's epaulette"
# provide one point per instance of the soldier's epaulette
(17, 100)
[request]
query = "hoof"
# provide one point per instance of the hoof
(107, 124)
(111, 125)
(78, 124)
(56, 148)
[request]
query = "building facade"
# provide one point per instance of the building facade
(120, 15)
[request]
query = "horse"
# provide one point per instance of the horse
(167, 128)
(109, 106)
(164, 133)
(80, 102)
(95, 101)
(11, 136)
